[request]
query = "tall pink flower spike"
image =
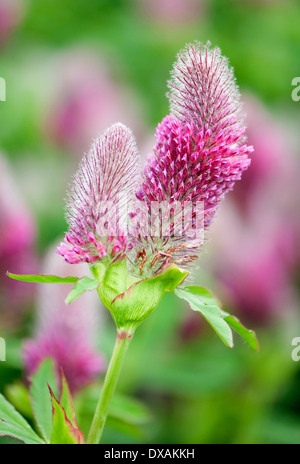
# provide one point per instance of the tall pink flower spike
(11, 13)
(199, 155)
(97, 200)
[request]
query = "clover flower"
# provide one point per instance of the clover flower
(199, 155)
(98, 198)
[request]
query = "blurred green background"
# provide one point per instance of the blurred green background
(71, 69)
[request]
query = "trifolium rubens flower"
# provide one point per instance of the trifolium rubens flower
(133, 225)
(200, 152)
(140, 231)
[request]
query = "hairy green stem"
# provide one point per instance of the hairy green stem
(111, 378)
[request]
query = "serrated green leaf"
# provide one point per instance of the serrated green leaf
(66, 401)
(9, 430)
(9, 414)
(64, 433)
(201, 300)
(133, 306)
(246, 334)
(41, 399)
(43, 279)
(14, 425)
(82, 285)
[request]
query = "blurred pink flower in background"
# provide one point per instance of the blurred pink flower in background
(256, 275)
(11, 13)
(17, 237)
(262, 215)
(88, 99)
(269, 160)
(173, 11)
(66, 333)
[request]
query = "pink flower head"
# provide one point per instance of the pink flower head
(86, 98)
(270, 142)
(17, 237)
(256, 276)
(97, 199)
(10, 15)
(65, 333)
(199, 155)
(175, 12)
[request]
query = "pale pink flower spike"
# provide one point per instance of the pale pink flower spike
(98, 197)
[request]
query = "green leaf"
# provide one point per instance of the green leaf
(201, 300)
(41, 399)
(129, 410)
(64, 433)
(82, 285)
(133, 306)
(67, 402)
(14, 425)
(43, 279)
(246, 334)
(18, 396)
(9, 430)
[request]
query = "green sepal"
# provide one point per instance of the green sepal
(129, 299)
(113, 281)
(134, 305)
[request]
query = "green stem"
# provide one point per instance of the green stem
(111, 378)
